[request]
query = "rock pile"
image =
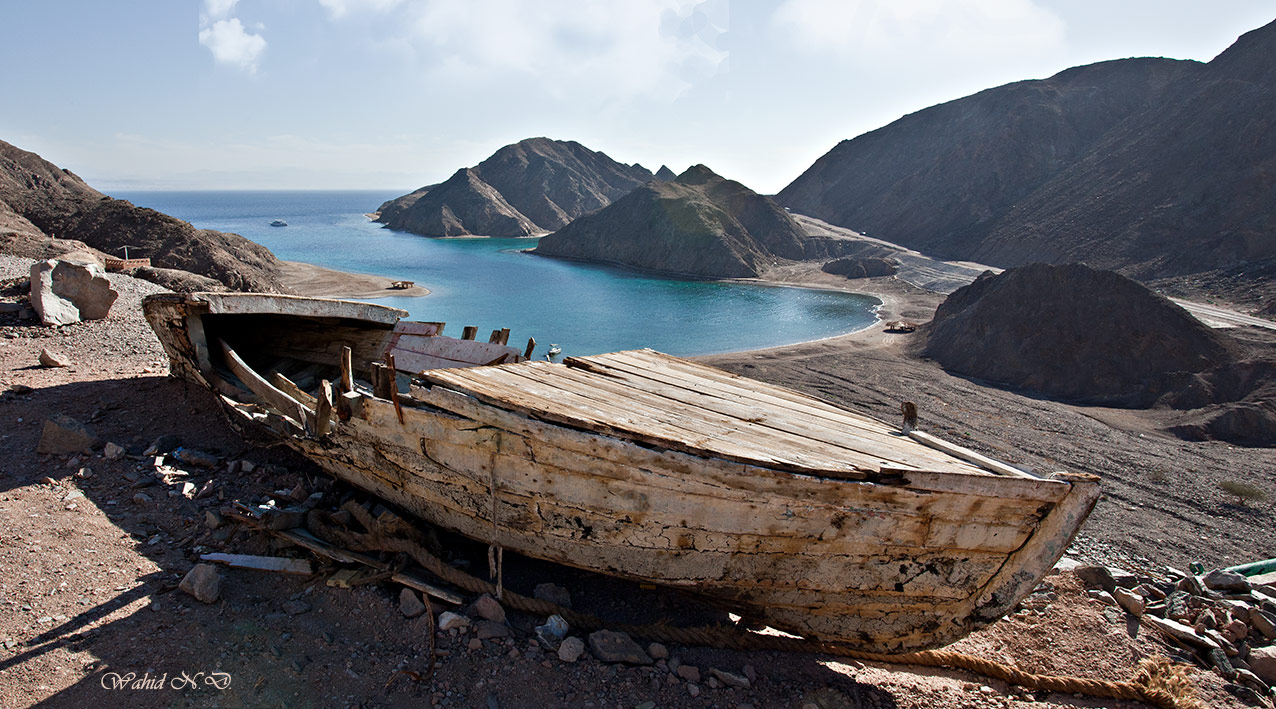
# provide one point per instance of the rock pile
(1222, 618)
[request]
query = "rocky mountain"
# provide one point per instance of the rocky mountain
(1076, 333)
(699, 224)
(535, 185)
(45, 211)
(1153, 167)
(664, 173)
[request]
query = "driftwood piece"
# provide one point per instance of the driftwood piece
(309, 541)
(279, 564)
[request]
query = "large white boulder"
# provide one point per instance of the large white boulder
(63, 292)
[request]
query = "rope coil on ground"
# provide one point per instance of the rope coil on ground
(725, 637)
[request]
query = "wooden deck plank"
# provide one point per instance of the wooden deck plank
(739, 425)
(575, 410)
(892, 447)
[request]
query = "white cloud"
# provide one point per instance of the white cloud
(340, 8)
(218, 9)
(936, 30)
(573, 49)
(231, 44)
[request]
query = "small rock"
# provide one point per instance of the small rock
(571, 649)
(197, 458)
(410, 604)
(1130, 601)
(475, 644)
(1262, 662)
(1102, 596)
(691, 673)
(554, 594)
(1235, 631)
(141, 498)
(63, 435)
(212, 519)
(693, 689)
(20, 389)
(1264, 623)
(1096, 577)
(53, 359)
(204, 582)
(1251, 680)
(489, 608)
(658, 651)
(296, 607)
(84, 473)
(163, 444)
(188, 489)
(611, 646)
(730, 679)
(113, 451)
(450, 621)
(486, 629)
(1220, 580)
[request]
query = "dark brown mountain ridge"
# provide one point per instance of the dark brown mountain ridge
(1160, 169)
(535, 185)
(40, 201)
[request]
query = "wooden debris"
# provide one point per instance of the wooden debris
(347, 370)
(305, 539)
(279, 564)
(323, 409)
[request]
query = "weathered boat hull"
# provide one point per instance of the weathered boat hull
(898, 561)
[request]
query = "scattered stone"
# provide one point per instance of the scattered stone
(113, 451)
(1130, 601)
(475, 644)
(197, 458)
(410, 604)
(1221, 580)
(1102, 596)
(1246, 678)
(1235, 631)
(296, 607)
(63, 292)
(1191, 584)
(1182, 632)
(53, 359)
(657, 651)
(486, 629)
(1096, 577)
(212, 519)
(204, 582)
(188, 489)
(691, 673)
(64, 435)
(450, 621)
(693, 689)
(554, 594)
(1264, 623)
(730, 679)
(571, 649)
(1262, 662)
(141, 498)
(611, 646)
(84, 473)
(20, 389)
(164, 444)
(489, 608)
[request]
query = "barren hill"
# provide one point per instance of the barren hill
(699, 224)
(1152, 167)
(532, 186)
(39, 201)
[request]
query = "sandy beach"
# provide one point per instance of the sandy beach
(308, 279)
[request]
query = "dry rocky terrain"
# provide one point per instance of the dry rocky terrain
(95, 546)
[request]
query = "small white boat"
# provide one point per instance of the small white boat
(279, 222)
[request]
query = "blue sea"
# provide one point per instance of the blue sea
(492, 283)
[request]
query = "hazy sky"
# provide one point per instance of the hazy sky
(395, 94)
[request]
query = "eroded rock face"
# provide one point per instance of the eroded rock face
(63, 292)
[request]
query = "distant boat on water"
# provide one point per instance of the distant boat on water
(279, 222)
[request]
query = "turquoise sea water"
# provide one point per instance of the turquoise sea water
(490, 283)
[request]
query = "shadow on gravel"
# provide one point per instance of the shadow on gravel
(295, 641)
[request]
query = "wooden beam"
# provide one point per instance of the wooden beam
(309, 541)
(392, 373)
(265, 391)
(323, 409)
(968, 455)
(347, 370)
(494, 338)
(469, 333)
(287, 386)
(531, 345)
(300, 567)
(504, 336)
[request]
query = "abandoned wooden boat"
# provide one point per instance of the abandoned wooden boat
(806, 516)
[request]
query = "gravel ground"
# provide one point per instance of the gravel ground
(89, 571)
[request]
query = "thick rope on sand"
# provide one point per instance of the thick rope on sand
(1155, 684)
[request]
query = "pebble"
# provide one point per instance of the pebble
(658, 651)
(730, 679)
(450, 621)
(410, 604)
(571, 649)
(475, 644)
(1130, 601)
(486, 629)
(204, 582)
(693, 689)
(84, 473)
(141, 498)
(611, 646)
(48, 358)
(489, 608)
(691, 673)
(113, 451)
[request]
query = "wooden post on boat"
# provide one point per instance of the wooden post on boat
(505, 336)
(469, 333)
(323, 409)
(393, 373)
(381, 381)
(495, 338)
(347, 370)
(909, 410)
(531, 345)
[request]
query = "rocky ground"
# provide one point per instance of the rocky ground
(94, 547)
